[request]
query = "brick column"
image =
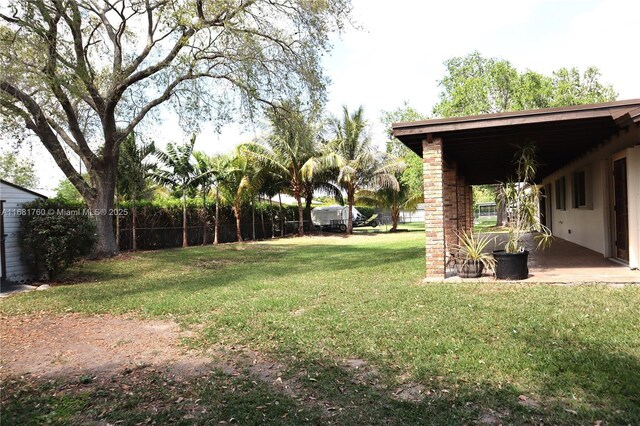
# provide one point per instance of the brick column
(450, 196)
(462, 204)
(469, 196)
(434, 207)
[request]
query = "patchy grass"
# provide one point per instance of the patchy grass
(492, 353)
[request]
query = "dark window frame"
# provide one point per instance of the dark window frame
(579, 189)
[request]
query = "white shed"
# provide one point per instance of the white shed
(12, 197)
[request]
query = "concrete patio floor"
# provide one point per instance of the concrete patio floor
(568, 263)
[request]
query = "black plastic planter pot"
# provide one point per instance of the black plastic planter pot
(470, 270)
(511, 266)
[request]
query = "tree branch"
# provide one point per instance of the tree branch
(39, 124)
(61, 96)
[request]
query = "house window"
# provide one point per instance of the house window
(579, 189)
(560, 194)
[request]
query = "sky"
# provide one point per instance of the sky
(395, 52)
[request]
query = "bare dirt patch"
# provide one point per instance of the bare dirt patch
(528, 402)
(74, 345)
(363, 373)
(410, 392)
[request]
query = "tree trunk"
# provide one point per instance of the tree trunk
(101, 207)
(281, 217)
(273, 225)
(264, 232)
(296, 194)
(395, 218)
(350, 197)
(253, 220)
(217, 221)
(134, 244)
(237, 214)
(117, 221)
(204, 218)
(308, 199)
(184, 218)
(501, 207)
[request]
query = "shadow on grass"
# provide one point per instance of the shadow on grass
(575, 381)
(599, 377)
(320, 391)
(149, 397)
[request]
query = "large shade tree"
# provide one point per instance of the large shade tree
(474, 84)
(81, 75)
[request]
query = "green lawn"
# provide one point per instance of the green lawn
(484, 224)
(312, 303)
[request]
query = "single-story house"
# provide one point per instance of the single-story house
(589, 169)
(12, 197)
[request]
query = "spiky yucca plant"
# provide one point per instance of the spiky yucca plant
(471, 248)
(521, 197)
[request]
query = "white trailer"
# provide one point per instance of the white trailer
(334, 217)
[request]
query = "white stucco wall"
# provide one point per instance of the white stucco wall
(584, 226)
(591, 226)
(633, 171)
(14, 198)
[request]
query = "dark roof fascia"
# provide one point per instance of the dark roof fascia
(628, 117)
(23, 189)
(617, 110)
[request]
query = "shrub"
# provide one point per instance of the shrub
(54, 234)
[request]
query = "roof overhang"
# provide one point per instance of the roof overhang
(483, 146)
(21, 188)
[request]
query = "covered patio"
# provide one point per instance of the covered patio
(593, 140)
(568, 263)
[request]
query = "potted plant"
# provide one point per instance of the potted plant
(521, 196)
(471, 257)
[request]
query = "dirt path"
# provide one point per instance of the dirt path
(74, 345)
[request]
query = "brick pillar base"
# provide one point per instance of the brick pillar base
(434, 208)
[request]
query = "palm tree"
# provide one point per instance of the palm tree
(389, 198)
(358, 165)
(241, 181)
(218, 166)
(132, 178)
(206, 177)
(274, 185)
(288, 151)
(178, 172)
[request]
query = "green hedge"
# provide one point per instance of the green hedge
(54, 234)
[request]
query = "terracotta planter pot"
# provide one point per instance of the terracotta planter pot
(511, 266)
